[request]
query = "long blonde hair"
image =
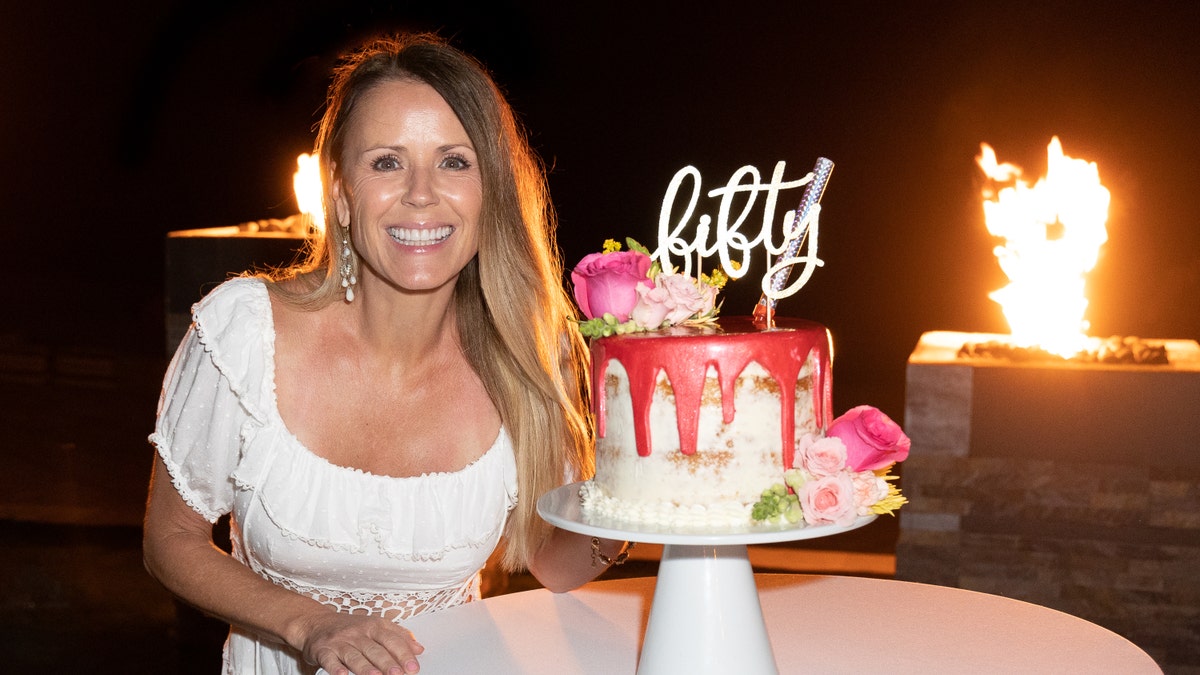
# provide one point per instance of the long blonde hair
(513, 314)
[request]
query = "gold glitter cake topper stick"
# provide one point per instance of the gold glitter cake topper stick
(811, 198)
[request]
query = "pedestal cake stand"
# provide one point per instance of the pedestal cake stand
(705, 616)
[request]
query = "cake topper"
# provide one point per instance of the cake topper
(799, 229)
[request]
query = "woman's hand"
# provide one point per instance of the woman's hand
(342, 644)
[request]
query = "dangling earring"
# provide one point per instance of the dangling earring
(347, 268)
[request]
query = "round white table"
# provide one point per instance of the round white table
(825, 624)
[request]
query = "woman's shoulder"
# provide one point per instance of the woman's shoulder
(233, 315)
(245, 294)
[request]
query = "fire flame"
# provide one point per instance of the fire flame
(1052, 233)
(306, 183)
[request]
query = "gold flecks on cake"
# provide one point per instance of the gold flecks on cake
(711, 396)
(663, 388)
(765, 385)
(708, 460)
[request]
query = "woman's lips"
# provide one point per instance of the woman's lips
(427, 236)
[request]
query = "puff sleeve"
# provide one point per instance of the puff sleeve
(203, 408)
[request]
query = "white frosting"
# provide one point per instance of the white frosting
(717, 486)
(721, 515)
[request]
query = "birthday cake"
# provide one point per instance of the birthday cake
(715, 424)
(694, 422)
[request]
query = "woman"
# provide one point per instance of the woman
(371, 417)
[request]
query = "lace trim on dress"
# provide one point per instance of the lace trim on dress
(218, 308)
(176, 475)
(396, 607)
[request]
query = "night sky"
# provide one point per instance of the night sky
(118, 129)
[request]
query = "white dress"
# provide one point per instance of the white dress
(353, 540)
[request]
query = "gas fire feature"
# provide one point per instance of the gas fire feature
(1069, 484)
(198, 260)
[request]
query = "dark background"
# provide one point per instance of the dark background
(120, 122)
(119, 126)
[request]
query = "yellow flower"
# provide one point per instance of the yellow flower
(611, 246)
(894, 500)
(717, 279)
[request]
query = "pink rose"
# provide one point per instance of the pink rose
(674, 299)
(652, 306)
(821, 456)
(606, 283)
(828, 500)
(686, 300)
(872, 439)
(868, 490)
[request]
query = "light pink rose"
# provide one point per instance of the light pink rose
(872, 439)
(868, 490)
(821, 456)
(828, 500)
(674, 299)
(652, 306)
(686, 300)
(606, 283)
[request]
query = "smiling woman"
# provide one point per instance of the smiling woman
(410, 191)
(378, 419)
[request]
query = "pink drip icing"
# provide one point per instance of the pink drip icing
(685, 359)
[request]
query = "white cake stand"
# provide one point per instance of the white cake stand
(705, 617)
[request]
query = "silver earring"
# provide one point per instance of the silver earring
(347, 269)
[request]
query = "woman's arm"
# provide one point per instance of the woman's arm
(567, 561)
(179, 552)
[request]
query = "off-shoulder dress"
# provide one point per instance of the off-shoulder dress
(356, 541)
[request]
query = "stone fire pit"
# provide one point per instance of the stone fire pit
(1069, 484)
